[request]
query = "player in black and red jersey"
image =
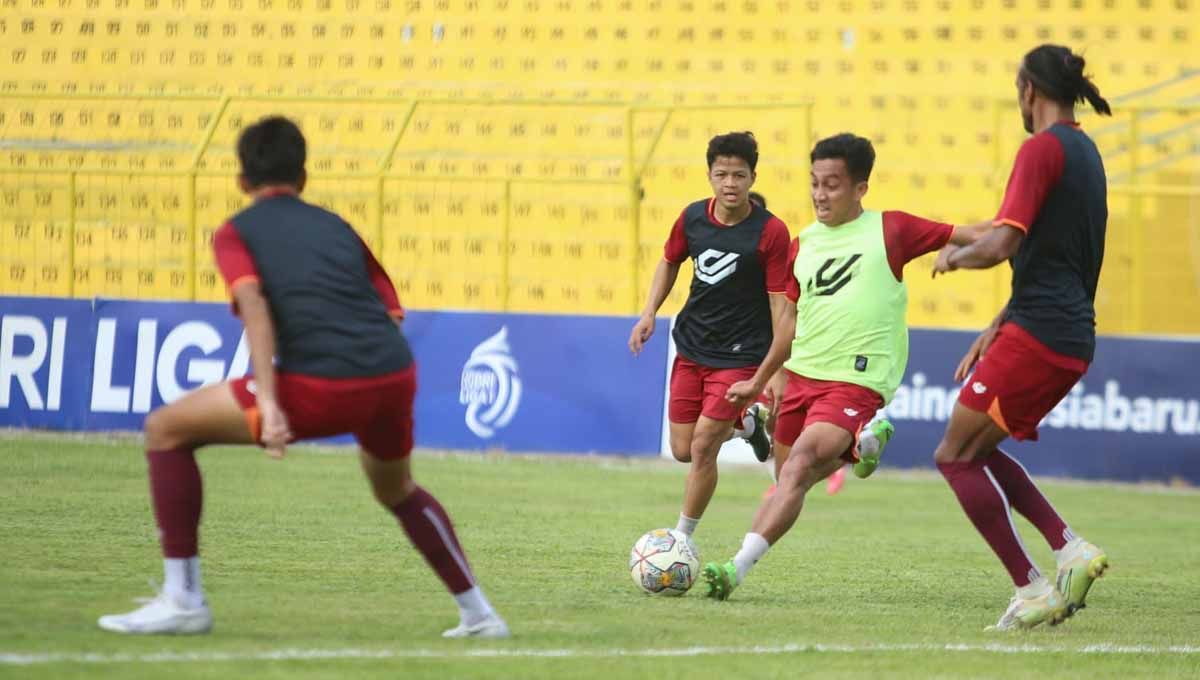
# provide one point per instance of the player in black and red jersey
(729, 322)
(1051, 226)
(312, 296)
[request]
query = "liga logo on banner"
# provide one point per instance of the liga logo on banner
(491, 388)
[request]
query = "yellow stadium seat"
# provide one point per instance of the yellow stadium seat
(918, 77)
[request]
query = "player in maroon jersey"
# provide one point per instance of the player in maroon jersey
(1051, 226)
(328, 357)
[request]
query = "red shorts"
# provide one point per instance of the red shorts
(1019, 380)
(377, 411)
(807, 401)
(698, 390)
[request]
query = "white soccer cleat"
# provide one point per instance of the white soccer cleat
(492, 627)
(162, 615)
(1050, 607)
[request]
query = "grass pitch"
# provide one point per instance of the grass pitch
(308, 578)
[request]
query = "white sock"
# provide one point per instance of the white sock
(1036, 588)
(744, 429)
(686, 524)
(868, 443)
(749, 424)
(1066, 552)
(473, 607)
(754, 546)
(181, 580)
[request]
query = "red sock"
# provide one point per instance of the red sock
(430, 530)
(985, 504)
(1027, 499)
(178, 497)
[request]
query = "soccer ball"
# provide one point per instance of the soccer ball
(664, 562)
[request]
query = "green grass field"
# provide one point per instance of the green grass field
(308, 578)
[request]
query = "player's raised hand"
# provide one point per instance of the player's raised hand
(741, 393)
(275, 431)
(942, 265)
(975, 353)
(642, 331)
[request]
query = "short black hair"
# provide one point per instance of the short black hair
(272, 151)
(737, 144)
(857, 152)
(758, 198)
(1057, 72)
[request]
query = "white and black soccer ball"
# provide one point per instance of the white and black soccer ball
(664, 562)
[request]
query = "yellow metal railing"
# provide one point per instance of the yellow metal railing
(635, 163)
(1147, 211)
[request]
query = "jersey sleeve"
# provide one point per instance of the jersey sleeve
(676, 248)
(907, 237)
(1036, 171)
(233, 258)
(382, 283)
(793, 286)
(773, 254)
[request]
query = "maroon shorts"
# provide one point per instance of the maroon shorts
(377, 411)
(698, 390)
(809, 401)
(1019, 380)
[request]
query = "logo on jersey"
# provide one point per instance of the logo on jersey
(834, 274)
(714, 266)
(490, 388)
(979, 388)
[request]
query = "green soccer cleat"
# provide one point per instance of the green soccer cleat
(1084, 564)
(880, 431)
(721, 579)
(760, 441)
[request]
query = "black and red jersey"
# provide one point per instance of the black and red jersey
(726, 322)
(332, 304)
(1058, 195)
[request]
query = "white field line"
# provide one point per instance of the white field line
(34, 658)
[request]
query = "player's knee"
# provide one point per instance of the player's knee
(682, 451)
(393, 494)
(798, 471)
(157, 431)
(703, 451)
(949, 452)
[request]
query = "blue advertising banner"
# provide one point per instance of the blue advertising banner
(486, 381)
(150, 353)
(43, 342)
(536, 383)
(527, 382)
(1134, 416)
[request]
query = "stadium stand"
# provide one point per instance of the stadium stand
(507, 186)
